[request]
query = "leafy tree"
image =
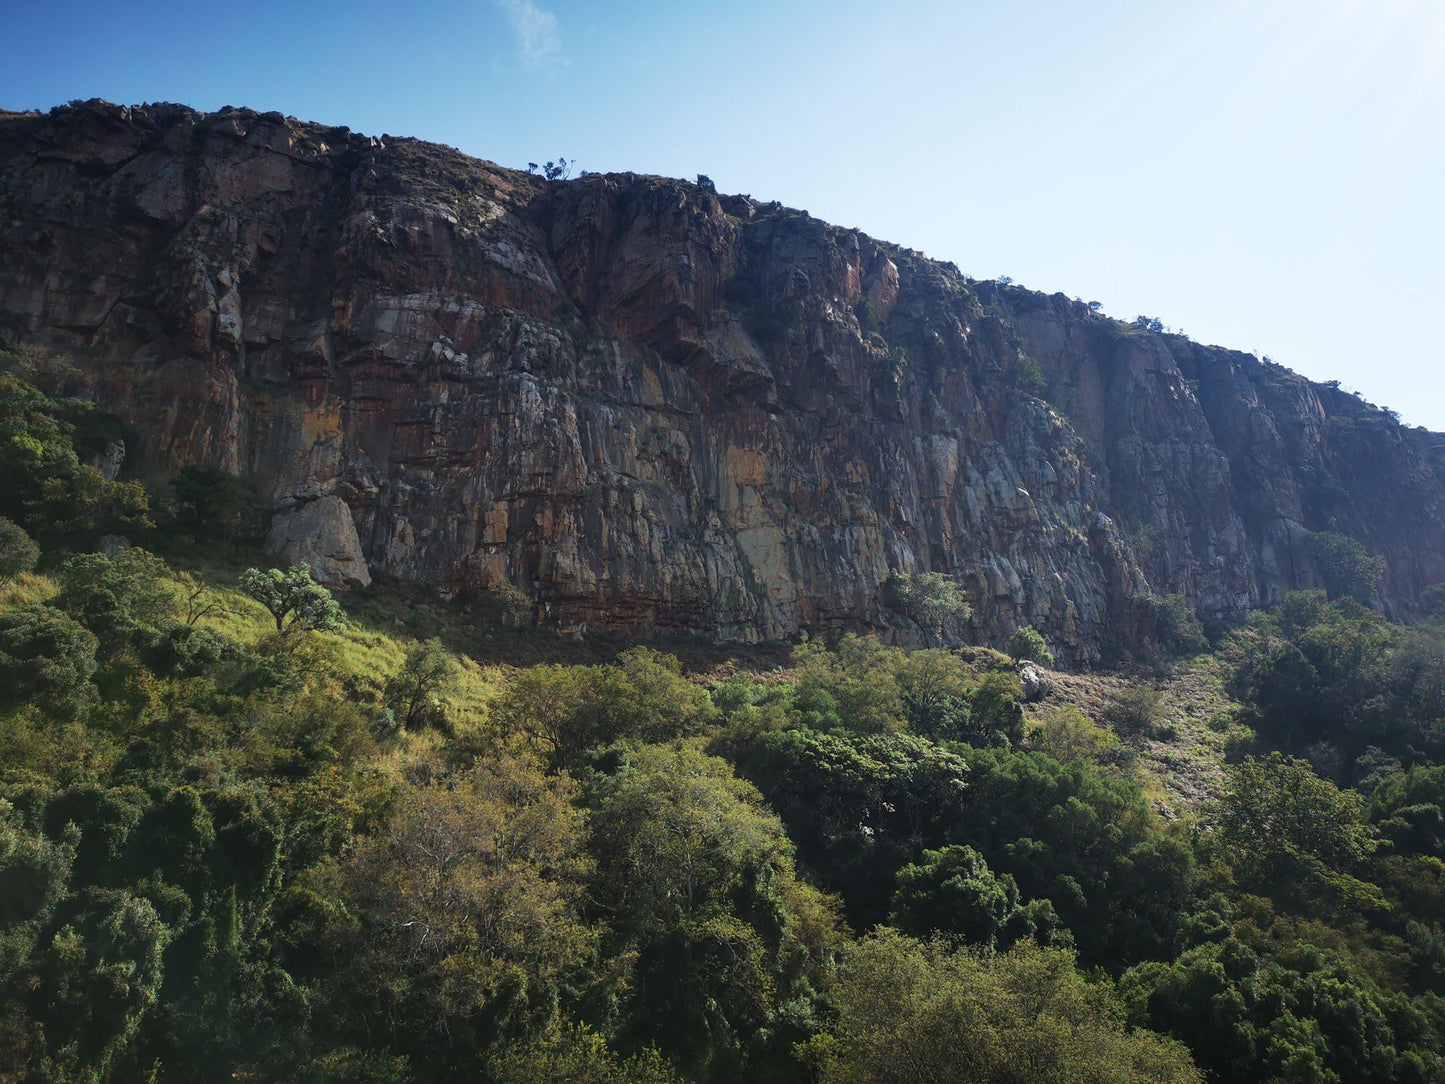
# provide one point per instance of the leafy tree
(1254, 1011)
(215, 504)
(570, 709)
(698, 875)
(859, 806)
(1028, 643)
(427, 677)
(998, 713)
(1083, 840)
(1066, 734)
(953, 891)
(469, 905)
(18, 551)
(116, 596)
(1177, 626)
(1286, 830)
(857, 682)
(509, 603)
(49, 491)
(909, 1012)
(1409, 811)
(294, 599)
(48, 658)
(1346, 567)
(571, 1053)
(936, 694)
(932, 599)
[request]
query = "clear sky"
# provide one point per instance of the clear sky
(1264, 174)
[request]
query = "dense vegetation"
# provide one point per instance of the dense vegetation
(243, 836)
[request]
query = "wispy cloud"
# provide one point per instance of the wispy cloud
(539, 39)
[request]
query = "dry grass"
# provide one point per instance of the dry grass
(1181, 756)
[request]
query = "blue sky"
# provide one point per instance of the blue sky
(1264, 174)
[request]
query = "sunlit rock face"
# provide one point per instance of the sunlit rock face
(660, 410)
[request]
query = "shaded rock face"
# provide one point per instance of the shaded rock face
(659, 410)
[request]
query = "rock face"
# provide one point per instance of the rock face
(661, 410)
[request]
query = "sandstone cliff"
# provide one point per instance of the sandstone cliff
(656, 408)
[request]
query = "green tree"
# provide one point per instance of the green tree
(936, 694)
(571, 1053)
(18, 551)
(1346, 567)
(1287, 831)
(1027, 642)
(294, 599)
(858, 682)
(953, 891)
(914, 1013)
(998, 712)
(469, 903)
(697, 875)
(48, 658)
(933, 599)
(427, 677)
(570, 709)
(115, 596)
(56, 497)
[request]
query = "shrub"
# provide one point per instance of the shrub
(115, 596)
(1135, 709)
(46, 657)
(1177, 626)
(427, 677)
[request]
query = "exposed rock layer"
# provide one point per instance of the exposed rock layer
(658, 409)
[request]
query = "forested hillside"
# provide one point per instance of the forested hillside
(254, 830)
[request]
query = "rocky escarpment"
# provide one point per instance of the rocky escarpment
(655, 408)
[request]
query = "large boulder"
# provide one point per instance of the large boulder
(321, 534)
(1034, 680)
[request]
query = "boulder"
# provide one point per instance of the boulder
(321, 534)
(1035, 681)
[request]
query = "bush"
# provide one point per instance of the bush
(45, 657)
(953, 891)
(427, 677)
(1346, 567)
(1135, 709)
(1177, 626)
(18, 551)
(913, 1012)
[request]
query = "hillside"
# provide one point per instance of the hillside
(655, 409)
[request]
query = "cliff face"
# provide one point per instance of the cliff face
(658, 409)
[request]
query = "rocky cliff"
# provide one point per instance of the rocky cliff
(657, 408)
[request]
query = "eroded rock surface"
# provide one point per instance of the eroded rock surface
(661, 410)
